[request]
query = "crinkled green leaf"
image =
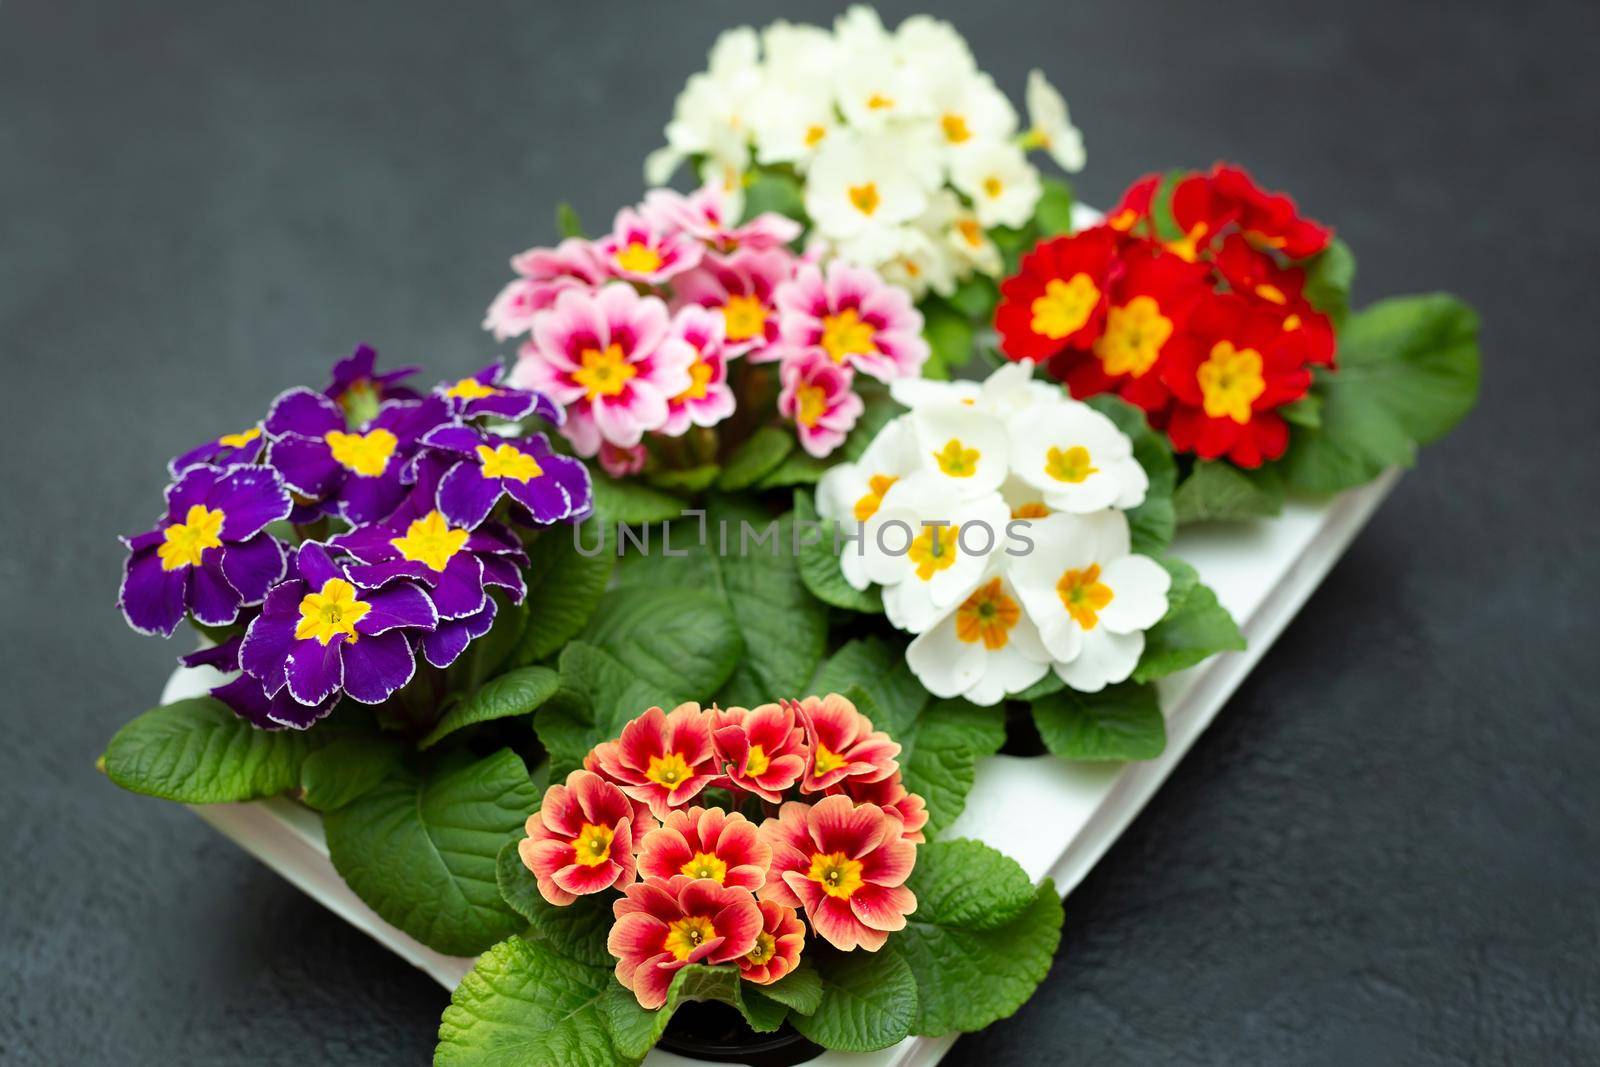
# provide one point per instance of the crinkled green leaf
(753, 460)
(1151, 524)
(1120, 722)
(684, 639)
(1329, 276)
(567, 222)
(970, 970)
(976, 297)
(800, 989)
(685, 479)
(1053, 215)
(577, 930)
(1408, 372)
(626, 500)
(420, 849)
(869, 1000)
(1217, 491)
(347, 767)
(819, 564)
(950, 336)
(518, 692)
(1195, 627)
(567, 575)
(524, 1004)
(198, 752)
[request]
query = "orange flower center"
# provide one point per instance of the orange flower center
(955, 129)
(934, 550)
(837, 874)
(988, 616)
(699, 381)
(868, 505)
(766, 947)
(1034, 510)
(592, 846)
(810, 404)
(865, 197)
(687, 934)
(705, 865)
(1065, 306)
(1084, 595)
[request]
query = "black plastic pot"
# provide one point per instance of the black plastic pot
(717, 1033)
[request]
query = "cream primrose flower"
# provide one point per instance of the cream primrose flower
(909, 257)
(964, 448)
(970, 112)
(1009, 390)
(1003, 186)
(983, 649)
(857, 186)
(1076, 457)
(927, 550)
(851, 493)
(712, 116)
(1090, 597)
(1051, 127)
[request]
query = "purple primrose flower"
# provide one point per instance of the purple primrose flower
(485, 394)
(550, 487)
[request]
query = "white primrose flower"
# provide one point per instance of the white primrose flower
(1090, 597)
(908, 257)
(713, 115)
(933, 48)
(964, 448)
(855, 187)
(1076, 457)
(1003, 186)
(851, 493)
(1051, 127)
(983, 649)
(1010, 389)
(927, 550)
(970, 113)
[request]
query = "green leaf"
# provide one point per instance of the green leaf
(565, 584)
(1195, 627)
(1161, 217)
(981, 940)
(1151, 524)
(631, 502)
(518, 692)
(869, 1000)
(800, 989)
(975, 298)
(598, 695)
(940, 743)
(950, 336)
(685, 479)
(1217, 491)
(567, 222)
(1408, 372)
(1120, 722)
(756, 458)
(577, 930)
(198, 752)
(769, 190)
(492, 651)
(1307, 411)
(1329, 275)
(819, 565)
(347, 768)
(524, 1004)
(683, 639)
(420, 849)
(757, 585)
(1053, 215)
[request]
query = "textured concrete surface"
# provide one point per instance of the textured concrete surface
(1386, 851)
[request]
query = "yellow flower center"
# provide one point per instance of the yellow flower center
(1034, 510)
(825, 761)
(1123, 220)
(687, 934)
(988, 616)
(865, 197)
(1084, 595)
(970, 232)
(330, 613)
(1230, 380)
(670, 771)
(592, 846)
(811, 403)
(1271, 293)
(993, 187)
(847, 334)
(1187, 247)
(837, 874)
(868, 505)
(430, 541)
(766, 947)
(756, 762)
(1065, 306)
(605, 372)
(1291, 323)
(955, 129)
(934, 550)
(239, 440)
(699, 381)
(504, 461)
(879, 102)
(743, 317)
(705, 865)
(186, 541)
(470, 389)
(1134, 335)
(639, 258)
(367, 454)
(956, 460)
(1072, 465)
(814, 135)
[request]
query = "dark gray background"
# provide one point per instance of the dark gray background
(1385, 851)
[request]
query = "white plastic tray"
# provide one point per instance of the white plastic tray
(1262, 572)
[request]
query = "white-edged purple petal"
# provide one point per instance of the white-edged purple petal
(253, 566)
(306, 463)
(152, 597)
(264, 655)
(212, 599)
(394, 607)
(442, 647)
(374, 667)
(459, 592)
(302, 411)
(314, 566)
(249, 498)
(465, 496)
(315, 670)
